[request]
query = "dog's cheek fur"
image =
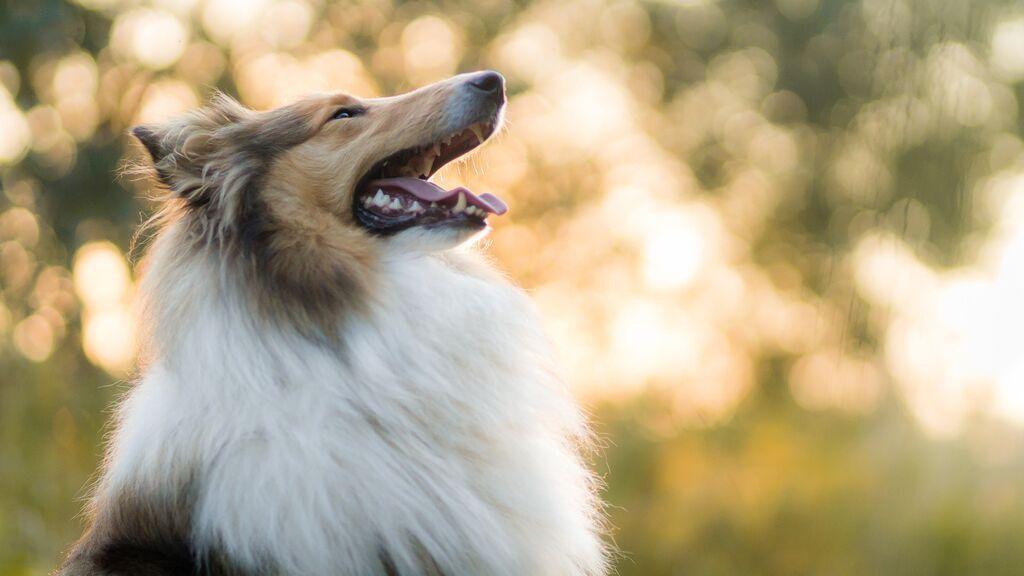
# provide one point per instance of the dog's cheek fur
(309, 264)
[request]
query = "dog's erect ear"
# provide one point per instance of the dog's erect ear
(190, 151)
(209, 157)
(150, 140)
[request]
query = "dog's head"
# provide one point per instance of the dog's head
(365, 163)
(303, 200)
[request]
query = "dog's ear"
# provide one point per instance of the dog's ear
(151, 139)
(148, 137)
(189, 152)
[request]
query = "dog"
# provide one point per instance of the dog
(333, 380)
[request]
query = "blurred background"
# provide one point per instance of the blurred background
(779, 245)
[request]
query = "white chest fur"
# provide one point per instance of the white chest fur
(439, 430)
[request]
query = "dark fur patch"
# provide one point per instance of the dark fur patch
(389, 564)
(428, 567)
(142, 534)
(294, 279)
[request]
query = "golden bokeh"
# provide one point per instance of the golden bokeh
(778, 247)
(104, 285)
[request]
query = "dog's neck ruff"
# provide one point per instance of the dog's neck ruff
(435, 435)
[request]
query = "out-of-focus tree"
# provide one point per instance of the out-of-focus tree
(779, 246)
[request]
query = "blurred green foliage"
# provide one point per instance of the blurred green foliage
(802, 126)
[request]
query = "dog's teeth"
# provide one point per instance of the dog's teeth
(415, 207)
(460, 205)
(381, 199)
(423, 165)
(433, 204)
(367, 201)
(395, 205)
(475, 128)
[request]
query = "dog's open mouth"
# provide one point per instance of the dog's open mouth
(396, 194)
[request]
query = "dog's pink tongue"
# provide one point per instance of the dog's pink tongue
(430, 192)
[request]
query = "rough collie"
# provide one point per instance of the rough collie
(333, 380)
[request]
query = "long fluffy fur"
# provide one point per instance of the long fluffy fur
(429, 434)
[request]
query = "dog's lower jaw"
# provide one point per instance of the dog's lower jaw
(437, 239)
(435, 435)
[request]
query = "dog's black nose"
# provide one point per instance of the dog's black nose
(489, 82)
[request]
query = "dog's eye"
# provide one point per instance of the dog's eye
(349, 112)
